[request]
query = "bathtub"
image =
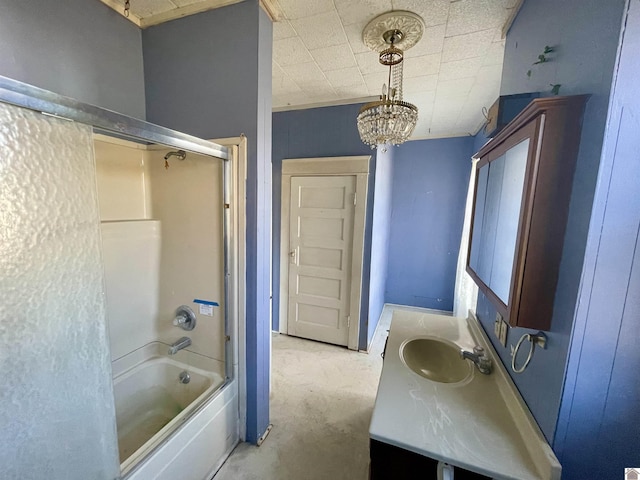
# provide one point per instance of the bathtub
(153, 405)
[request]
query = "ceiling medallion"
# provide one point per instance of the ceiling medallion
(410, 24)
(390, 120)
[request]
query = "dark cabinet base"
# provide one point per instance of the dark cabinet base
(393, 463)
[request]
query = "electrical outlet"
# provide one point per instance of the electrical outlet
(501, 329)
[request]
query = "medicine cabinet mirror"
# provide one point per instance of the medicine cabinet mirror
(520, 208)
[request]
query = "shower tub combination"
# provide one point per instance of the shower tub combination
(174, 371)
(176, 416)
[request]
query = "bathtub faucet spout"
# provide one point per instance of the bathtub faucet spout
(184, 342)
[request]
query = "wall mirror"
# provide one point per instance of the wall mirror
(498, 209)
(520, 208)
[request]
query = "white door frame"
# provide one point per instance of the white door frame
(357, 166)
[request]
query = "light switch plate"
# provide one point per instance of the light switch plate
(501, 329)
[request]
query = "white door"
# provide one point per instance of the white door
(320, 253)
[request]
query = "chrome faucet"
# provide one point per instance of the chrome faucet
(184, 342)
(480, 358)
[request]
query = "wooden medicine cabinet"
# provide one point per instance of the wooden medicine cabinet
(521, 202)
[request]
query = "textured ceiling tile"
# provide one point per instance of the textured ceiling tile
(298, 99)
(475, 104)
(334, 58)
(352, 91)
(432, 41)
(420, 66)
(467, 46)
(354, 35)
(497, 35)
(319, 31)
(443, 123)
(495, 54)
(276, 71)
(467, 16)
(491, 75)
(147, 8)
(368, 63)
(284, 86)
(282, 30)
(424, 101)
(290, 51)
(425, 83)
(293, 9)
(483, 95)
(472, 109)
(357, 11)
(445, 113)
(422, 125)
(510, 3)
(433, 12)
(374, 82)
(278, 101)
(345, 77)
(449, 96)
(184, 3)
(460, 68)
(303, 72)
(454, 88)
(470, 120)
(320, 87)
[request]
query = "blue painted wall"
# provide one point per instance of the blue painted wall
(585, 34)
(599, 425)
(319, 132)
(402, 264)
(380, 234)
(78, 48)
(430, 182)
(200, 83)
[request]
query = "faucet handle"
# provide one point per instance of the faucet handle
(478, 350)
(185, 318)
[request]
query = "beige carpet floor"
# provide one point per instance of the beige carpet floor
(321, 403)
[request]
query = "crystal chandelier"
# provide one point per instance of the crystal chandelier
(390, 120)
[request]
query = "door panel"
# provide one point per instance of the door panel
(321, 249)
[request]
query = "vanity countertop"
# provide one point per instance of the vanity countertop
(480, 424)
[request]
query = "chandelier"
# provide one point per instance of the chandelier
(390, 120)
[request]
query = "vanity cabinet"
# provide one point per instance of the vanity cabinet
(521, 203)
(389, 462)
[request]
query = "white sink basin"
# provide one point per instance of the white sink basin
(435, 359)
(433, 403)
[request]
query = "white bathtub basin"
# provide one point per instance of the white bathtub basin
(151, 401)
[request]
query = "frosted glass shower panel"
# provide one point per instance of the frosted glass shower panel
(56, 401)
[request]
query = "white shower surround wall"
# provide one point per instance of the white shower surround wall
(162, 242)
